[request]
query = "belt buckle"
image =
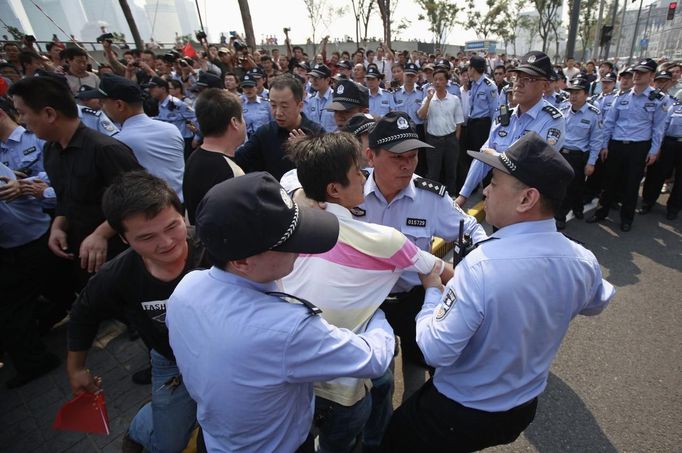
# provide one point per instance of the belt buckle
(626, 142)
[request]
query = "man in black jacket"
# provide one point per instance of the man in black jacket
(266, 149)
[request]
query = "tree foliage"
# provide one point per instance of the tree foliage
(442, 16)
(490, 22)
(386, 10)
(587, 22)
(549, 20)
(362, 11)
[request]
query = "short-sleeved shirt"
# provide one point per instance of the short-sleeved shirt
(584, 130)
(173, 110)
(256, 113)
(23, 150)
(409, 102)
(444, 115)
(381, 103)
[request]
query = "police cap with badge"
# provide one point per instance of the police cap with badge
(157, 82)
(85, 92)
(359, 124)
(646, 65)
(663, 75)
(116, 87)
(411, 68)
(247, 80)
(374, 73)
(536, 64)
(533, 162)
(579, 83)
(320, 70)
(345, 64)
(609, 77)
(396, 133)
(348, 95)
(208, 80)
(256, 73)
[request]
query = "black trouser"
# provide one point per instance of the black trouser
(478, 130)
(188, 147)
(624, 170)
(430, 421)
(421, 163)
(401, 309)
(442, 160)
(22, 270)
(595, 182)
(574, 193)
(669, 158)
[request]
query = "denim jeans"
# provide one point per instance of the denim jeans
(340, 425)
(382, 409)
(165, 424)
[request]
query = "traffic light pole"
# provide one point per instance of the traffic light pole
(634, 35)
(597, 38)
(613, 23)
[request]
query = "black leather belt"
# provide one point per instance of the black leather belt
(673, 139)
(571, 151)
(629, 142)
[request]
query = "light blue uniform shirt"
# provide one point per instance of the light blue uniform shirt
(158, 147)
(634, 117)
(494, 334)
(256, 113)
(409, 102)
(381, 103)
(23, 150)
(173, 110)
(249, 359)
(543, 119)
(604, 102)
(419, 213)
(454, 89)
(503, 98)
(483, 98)
(21, 220)
(584, 130)
(314, 109)
(97, 120)
(673, 121)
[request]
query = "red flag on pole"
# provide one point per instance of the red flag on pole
(189, 51)
(86, 413)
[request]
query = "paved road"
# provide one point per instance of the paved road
(615, 385)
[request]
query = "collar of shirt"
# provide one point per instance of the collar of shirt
(327, 94)
(371, 187)
(646, 92)
(16, 134)
(165, 102)
(403, 90)
(537, 226)
(379, 93)
(133, 120)
(339, 211)
(77, 139)
(533, 111)
(233, 279)
(257, 101)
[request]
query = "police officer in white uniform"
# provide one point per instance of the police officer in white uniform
(493, 332)
(249, 354)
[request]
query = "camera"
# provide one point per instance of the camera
(170, 57)
(286, 30)
(136, 64)
(30, 38)
(201, 35)
(239, 45)
(105, 37)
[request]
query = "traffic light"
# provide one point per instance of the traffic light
(606, 34)
(671, 10)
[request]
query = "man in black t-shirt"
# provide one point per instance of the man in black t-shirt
(147, 214)
(219, 114)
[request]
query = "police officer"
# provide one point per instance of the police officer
(555, 96)
(662, 82)
(482, 104)
(420, 209)
(348, 99)
(581, 147)
(173, 110)
(493, 332)
(263, 338)
(408, 98)
(256, 110)
(532, 113)
(91, 114)
(259, 76)
(315, 106)
(380, 101)
(670, 160)
(633, 132)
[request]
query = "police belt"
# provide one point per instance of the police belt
(673, 139)
(571, 151)
(479, 120)
(629, 142)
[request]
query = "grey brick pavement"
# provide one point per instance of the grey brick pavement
(27, 413)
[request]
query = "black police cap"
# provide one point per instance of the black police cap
(359, 124)
(115, 87)
(579, 83)
(411, 68)
(247, 80)
(646, 65)
(347, 95)
(609, 77)
(535, 63)
(532, 161)
(320, 70)
(208, 80)
(396, 133)
(374, 73)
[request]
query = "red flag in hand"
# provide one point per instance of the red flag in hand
(86, 413)
(189, 51)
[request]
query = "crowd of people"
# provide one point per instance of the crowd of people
(264, 223)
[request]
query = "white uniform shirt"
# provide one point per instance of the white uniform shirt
(444, 115)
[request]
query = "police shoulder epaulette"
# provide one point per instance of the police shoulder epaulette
(621, 93)
(593, 109)
(418, 88)
(659, 95)
(487, 81)
(553, 111)
(431, 186)
(365, 173)
(91, 111)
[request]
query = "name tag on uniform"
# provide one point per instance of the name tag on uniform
(502, 133)
(384, 102)
(30, 150)
(584, 121)
(312, 109)
(416, 222)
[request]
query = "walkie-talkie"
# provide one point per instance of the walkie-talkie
(504, 115)
(462, 247)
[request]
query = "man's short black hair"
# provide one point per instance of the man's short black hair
(40, 92)
(215, 109)
(324, 159)
(73, 52)
(288, 81)
(442, 71)
(607, 63)
(148, 52)
(137, 192)
(295, 48)
(27, 57)
(9, 44)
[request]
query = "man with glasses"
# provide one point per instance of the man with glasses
(532, 114)
(498, 75)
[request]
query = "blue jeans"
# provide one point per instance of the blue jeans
(382, 409)
(340, 425)
(165, 424)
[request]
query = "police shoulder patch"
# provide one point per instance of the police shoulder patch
(431, 186)
(358, 212)
(593, 109)
(553, 136)
(553, 111)
(487, 81)
(446, 305)
(91, 111)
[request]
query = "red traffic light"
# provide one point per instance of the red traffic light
(673, 5)
(671, 10)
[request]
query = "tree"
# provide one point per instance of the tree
(587, 22)
(511, 22)
(547, 20)
(362, 10)
(441, 15)
(532, 25)
(386, 10)
(320, 13)
(489, 23)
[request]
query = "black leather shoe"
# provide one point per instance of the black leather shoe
(579, 215)
(644, 210)
(594, 219)
(560, 225)
(671, 215)
(625, 227)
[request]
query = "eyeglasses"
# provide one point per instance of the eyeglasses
(524, 80)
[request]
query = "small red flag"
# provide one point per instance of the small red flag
(86, 413)
(189, 51)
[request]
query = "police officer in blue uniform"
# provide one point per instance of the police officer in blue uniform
(670, 159)
(173, 110)
(420, 209)
(494, 330)
(581, 147)
(315, 106)
(262, 351)
(554, 95)
(91, 114)
(532, 113)
(257, 111)
(408, 98)
(259, 76)
(381, 102)
(633, 132)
